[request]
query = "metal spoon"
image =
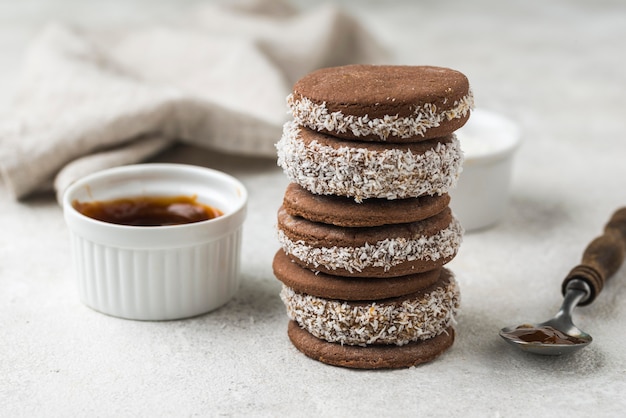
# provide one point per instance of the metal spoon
(601, 259)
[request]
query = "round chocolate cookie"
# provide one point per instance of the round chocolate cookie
(382, 103)
(380, 251)
(343, 211)
(415, 317)
(325, 165)
(371, 357)
(303, 280)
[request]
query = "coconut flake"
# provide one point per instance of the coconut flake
(386, 253)
(363, 173)
(379, 322)
(316, 116)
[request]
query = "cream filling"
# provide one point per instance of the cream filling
(317, 117)
(386, 253)
(362, 173)
(417, 319)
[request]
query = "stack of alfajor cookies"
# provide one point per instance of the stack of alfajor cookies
(365, 226)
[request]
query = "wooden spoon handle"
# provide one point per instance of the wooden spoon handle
(602, 257)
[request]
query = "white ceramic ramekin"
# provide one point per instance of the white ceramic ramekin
(161, 272)
(489, 142)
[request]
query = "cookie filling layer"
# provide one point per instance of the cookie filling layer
(419, 317)
(386, 253)
(363, 173)
(316, 116)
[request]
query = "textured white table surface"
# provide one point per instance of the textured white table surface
(558, 68)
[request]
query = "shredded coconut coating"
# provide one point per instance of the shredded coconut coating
(317, 117)
(415, 319)
(363, 173)
(386, 253)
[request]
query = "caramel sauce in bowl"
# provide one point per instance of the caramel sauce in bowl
(156, 241)
(148, 210)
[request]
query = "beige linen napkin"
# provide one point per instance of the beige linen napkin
(88, 101)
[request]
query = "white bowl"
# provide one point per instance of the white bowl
(157, 272)
(489, 142)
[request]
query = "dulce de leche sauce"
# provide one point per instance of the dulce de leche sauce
(148, 210)
(543, 335)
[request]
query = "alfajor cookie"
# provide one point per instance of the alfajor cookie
(344, 211)
(383, 251)
(418, 316)
(323, 164)
(364, 227)
(382, 103)
(371, 357)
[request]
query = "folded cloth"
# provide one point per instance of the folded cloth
(87, 101)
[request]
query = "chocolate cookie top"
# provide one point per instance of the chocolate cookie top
(303, 280)
(388, 103)
(324, 164)
(344, 211)
(371, 357)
